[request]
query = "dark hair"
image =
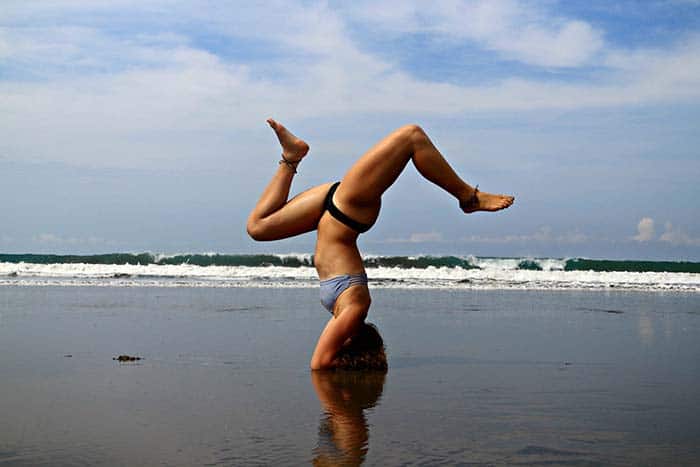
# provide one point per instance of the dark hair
(364, 351)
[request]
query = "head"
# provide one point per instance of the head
(363, 351)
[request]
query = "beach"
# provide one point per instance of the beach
(505, 189)
(534, 377)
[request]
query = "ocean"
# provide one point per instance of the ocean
(492, 361)
(296, 270)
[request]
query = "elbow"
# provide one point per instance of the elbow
(322, 363)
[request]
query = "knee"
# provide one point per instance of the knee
(414, 133)
(256, 229)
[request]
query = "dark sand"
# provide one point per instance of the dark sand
(533, 378)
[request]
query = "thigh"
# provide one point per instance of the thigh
(360, 192)
(376, 170)
(300, 215)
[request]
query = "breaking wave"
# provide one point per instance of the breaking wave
(296, 270)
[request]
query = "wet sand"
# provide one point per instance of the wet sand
(492, 377)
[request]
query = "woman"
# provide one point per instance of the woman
(340, 212)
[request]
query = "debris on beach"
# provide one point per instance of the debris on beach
(564, 366)
(127, 358)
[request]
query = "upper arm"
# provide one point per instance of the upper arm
(340, 328)
(334, 335)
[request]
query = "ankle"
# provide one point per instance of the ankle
(467, 193)
(291, 164)
(470, 197)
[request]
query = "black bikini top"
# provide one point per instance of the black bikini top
(342, 217)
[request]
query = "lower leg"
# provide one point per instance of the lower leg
(277, 191)
(435, 168)
(377, 170)
(275, 195)
(431, 164)
(273, 217)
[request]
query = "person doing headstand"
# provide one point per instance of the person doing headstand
(341, 211)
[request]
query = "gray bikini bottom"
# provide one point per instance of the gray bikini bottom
(333, 287)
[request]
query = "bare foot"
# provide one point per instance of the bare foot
(482, 201)
(293, 148)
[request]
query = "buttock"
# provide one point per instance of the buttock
(340, 216)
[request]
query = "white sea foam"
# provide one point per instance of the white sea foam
(547, 264)
(302, 257)
(494, 274)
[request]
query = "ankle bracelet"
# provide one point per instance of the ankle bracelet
(288, 163)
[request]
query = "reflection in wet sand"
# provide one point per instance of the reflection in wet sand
(646, 329)
(343, 432)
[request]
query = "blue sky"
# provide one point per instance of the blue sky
(136, 125)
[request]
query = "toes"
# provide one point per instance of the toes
(274, 125)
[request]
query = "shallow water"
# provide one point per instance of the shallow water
(494, 377)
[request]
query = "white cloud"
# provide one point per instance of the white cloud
(515, 30)
(52, 239)
(543, 235)
(45, 238)
(676, 236)
(417, 237)
(684, 2)
(666, 73)
(672, 235)
(159, 93)
(645, 230)
(425, 237)
(573, 238)
(526, 34)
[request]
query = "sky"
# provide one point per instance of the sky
(132, 125)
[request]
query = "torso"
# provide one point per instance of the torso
(336, 243)
(336, 249)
